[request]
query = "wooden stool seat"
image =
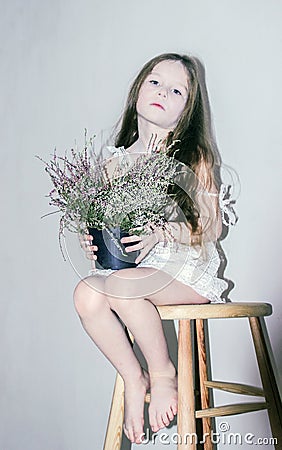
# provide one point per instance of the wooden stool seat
(214, 311)
(193, 325)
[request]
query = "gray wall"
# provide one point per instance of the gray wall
(66, 65)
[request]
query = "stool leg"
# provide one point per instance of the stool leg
(115, 422)
(203, 377)
(186, 424)
(268, 379)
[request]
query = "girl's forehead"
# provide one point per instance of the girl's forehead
(173, 70)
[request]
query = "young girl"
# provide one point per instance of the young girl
(166, 102)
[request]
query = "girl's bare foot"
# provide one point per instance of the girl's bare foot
(134, 395)
(163, 405)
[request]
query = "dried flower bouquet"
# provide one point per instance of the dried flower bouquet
(87, 196)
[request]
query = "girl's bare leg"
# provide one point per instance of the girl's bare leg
(133, 294)
(107, 332)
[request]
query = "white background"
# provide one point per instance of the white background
(66, 65)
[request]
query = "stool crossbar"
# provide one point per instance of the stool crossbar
(188, 410)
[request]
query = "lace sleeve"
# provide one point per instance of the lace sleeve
(228, 215)
(225, 202)
(116, 151)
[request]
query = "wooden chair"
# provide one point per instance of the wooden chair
(187, 411)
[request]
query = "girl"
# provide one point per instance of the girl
(165, 101)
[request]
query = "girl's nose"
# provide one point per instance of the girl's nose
(162, 92)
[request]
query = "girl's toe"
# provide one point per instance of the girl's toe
(160, 422)
(128, 434)
(165, 420)
(138, 436)
(170, 415)
(153, 422)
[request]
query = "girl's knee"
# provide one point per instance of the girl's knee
(129, 284)
(88, 300)
(117, 287)
(120, 289)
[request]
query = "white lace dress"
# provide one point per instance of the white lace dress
(195, 266)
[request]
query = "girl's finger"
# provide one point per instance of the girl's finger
(90, 255)
(88, 248)
(133, 238)
(141, 255)
(133, 248)
(85, 239)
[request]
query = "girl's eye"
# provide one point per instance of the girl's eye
(176, 91)
(154, 82)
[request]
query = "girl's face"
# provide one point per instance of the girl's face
(163, 95)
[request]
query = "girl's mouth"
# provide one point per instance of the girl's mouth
(158, 105)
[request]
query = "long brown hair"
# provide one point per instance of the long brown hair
(195, 146)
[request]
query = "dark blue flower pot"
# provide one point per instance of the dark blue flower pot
(109, 255)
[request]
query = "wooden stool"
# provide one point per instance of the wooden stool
(187, 412)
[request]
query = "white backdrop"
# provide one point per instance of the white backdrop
(66, 65)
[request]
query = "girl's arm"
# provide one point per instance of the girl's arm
(208, 203)
(174, 231)
(210, 224)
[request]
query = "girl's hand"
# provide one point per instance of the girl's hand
(143, 243)
(86, 245)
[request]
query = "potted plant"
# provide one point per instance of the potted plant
(110, 205)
